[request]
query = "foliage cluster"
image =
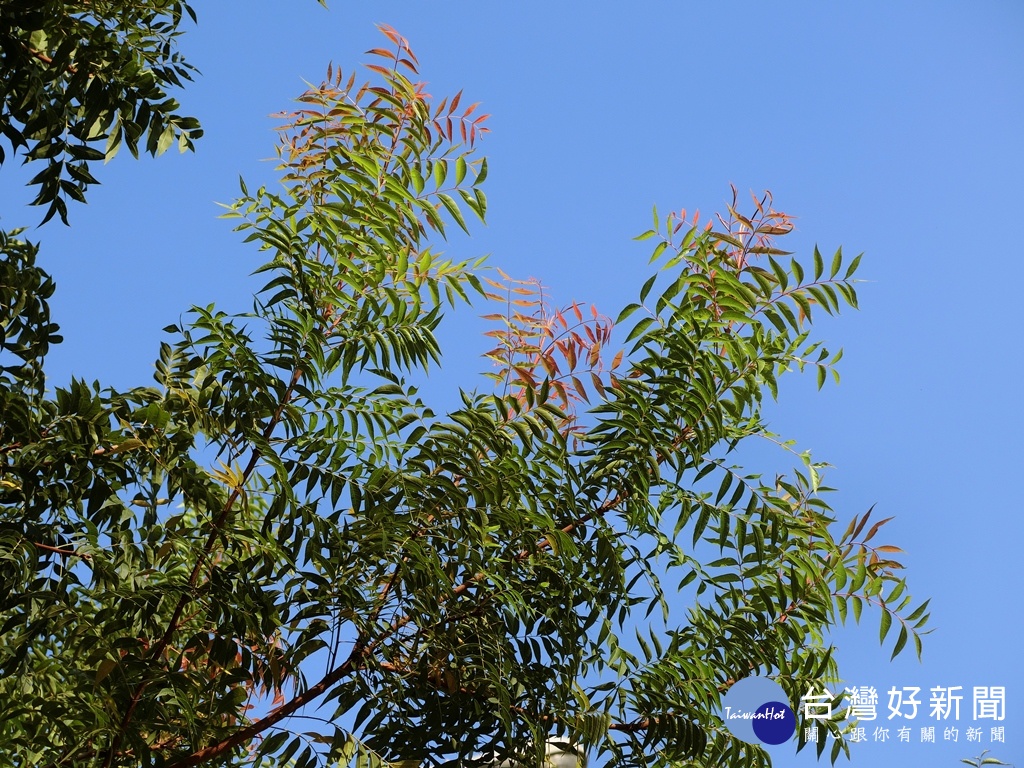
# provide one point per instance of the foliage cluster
(81, 79)
(280, 555)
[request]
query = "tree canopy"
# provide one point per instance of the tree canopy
(281, 555)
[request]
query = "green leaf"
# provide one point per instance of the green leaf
(884, 627)
(453, 210)
(853, 267)
(416, 178)
(819, 266)
(639, 328)
(481, 174)
(440, 173)
(647, 288)
(901, 641)
(658, 250)
(837, 263)
(167, 138)
(105, 668)
(628, 310)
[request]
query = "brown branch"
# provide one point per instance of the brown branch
(64, 552)
(172, 627)
(37, 54)
(70, 68)
(355, 660)
(276, 715)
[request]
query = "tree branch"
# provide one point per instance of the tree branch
(172, 627)
(64, 552)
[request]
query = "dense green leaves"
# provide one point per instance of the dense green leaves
(26, 332)
(81, 79)
(282, 523)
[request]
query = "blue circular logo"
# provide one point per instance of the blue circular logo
(774, 722)
(754, 710)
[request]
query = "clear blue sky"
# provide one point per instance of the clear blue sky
(894, 129)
